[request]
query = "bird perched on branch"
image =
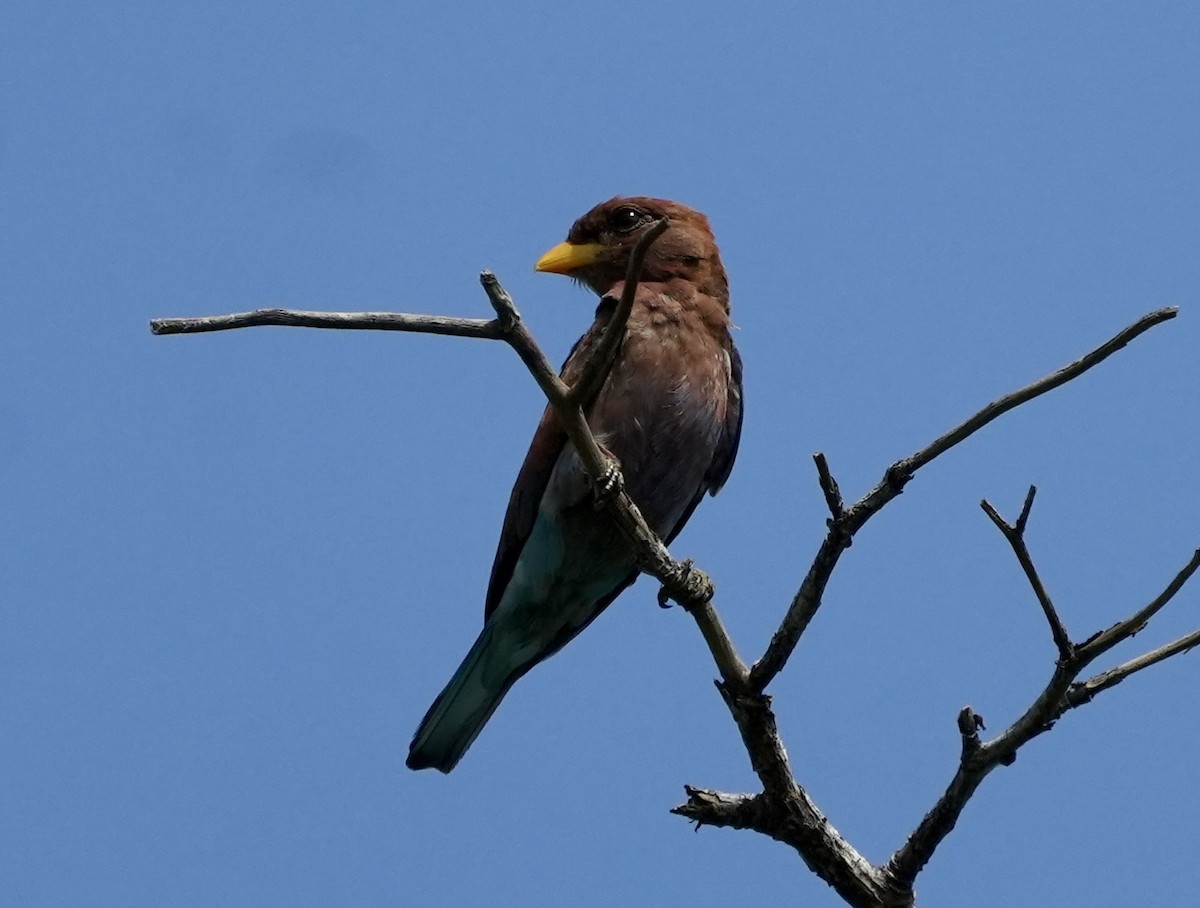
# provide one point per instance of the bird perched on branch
(669, 411)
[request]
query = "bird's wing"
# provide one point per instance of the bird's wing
(548, 443)
(727, 447)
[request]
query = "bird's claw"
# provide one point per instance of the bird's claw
(608, 484)
(689, 586)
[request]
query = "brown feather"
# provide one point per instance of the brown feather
(669, 410)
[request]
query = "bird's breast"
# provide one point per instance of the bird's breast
(662, 410)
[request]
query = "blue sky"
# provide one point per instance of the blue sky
(236, 568)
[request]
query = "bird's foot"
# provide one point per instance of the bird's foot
(688, 586)
(609, 484)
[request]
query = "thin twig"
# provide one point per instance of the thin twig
(807, 600)
(1015, 534)
(829, 487)
(1123, 630)
(1001, 406)
(517, 336)
(1023, 518)
(1083, 691)
(488, 329)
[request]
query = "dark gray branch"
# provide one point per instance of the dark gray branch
(1015, 534)
(1083, 691)
(829, 488)
(1123, 630)
(783, 810)
(706, 807)
(488, 329)
(786, 813)
(1060, 694)
(841, 532)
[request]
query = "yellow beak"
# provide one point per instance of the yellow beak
(566, 257)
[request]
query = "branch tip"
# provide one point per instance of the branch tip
(502, 302)
(994, 516)
(829, 487)
(1015, 535)
(1105, 640)
(1019, 526)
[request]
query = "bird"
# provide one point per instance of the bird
(669, 412)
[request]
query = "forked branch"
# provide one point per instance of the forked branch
(681, 581)
(841, 531)
(783, 810)
(1061, 693)
(1015, 534)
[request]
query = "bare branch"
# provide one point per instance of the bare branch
(1060, 694)
(829, 487)
(682, 582)
(803, 607)
(807, 600)
(487, 329)
(1083, 691)
(784, 810)
(1023, 518)
(1001, 406)
(909, 860)
(517, 336)
(368, 321)
(707, 807)
(1123, 630)
(976, 761)
(1015, 534)
(786, 813)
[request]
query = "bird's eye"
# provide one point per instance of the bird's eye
(625, 219)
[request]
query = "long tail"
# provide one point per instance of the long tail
(463, 708)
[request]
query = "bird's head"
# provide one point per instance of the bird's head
(599, 244)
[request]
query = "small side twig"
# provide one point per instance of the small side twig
(829, 488)
(707, 807)
(1123, 630)
(1015, 534)
(1082, 692)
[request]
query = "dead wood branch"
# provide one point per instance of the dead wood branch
(783, 810)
